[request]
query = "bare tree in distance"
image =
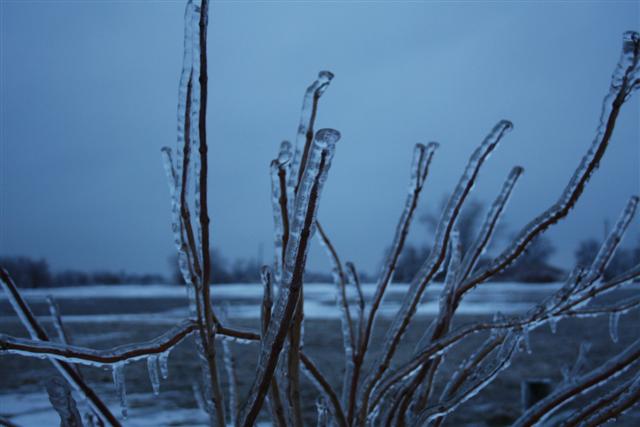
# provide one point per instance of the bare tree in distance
(382, 391)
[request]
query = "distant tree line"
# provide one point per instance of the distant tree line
(35, 273)
(534, 266)
(242, 271)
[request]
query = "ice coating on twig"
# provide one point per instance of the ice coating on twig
(54, 310)
(230, 370)
(154, 376)
(453, 270)
(422, 157)
(279, 205)
(28, 320)
(305, 128)
(346, 329)
(354, 279)
(608, 248)
(618, 93)
(176, 222)
(568, 391)
(302, 227)
(500, 362)
(64, 404)
(121, 389)
(488, 227)
(608, 407)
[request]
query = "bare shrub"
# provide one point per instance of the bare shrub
(387, 393)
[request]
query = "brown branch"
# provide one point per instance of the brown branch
(38, 333)
(572, 193)
(275, 403)
(435, 259)
(595, 378)
(296, 261)
(606, 401)
(326, 388)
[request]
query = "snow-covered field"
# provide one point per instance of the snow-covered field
(104, 316)
(244, 300)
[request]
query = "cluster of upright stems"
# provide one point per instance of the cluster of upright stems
(385, 393)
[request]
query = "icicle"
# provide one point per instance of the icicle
(614, 319)
(553, 324)
(119, 383)
(164, 364)
(152, 367)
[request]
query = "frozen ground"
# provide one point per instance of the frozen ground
(142, 312)
(167, 303)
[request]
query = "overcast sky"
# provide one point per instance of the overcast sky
(89, 95)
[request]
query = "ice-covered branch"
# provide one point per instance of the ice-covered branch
(279, 206)
(303, 220)
(90, 357)
(346, 321)
(565, 393)
(484, 378)
(38, 333)
(422, 157)
(323, 385)
(304, 136)
(613, 102)
(537, 318)
(610, 406)
(435, 259)
(481, 242)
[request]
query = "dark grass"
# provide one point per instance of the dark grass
(499, 404)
